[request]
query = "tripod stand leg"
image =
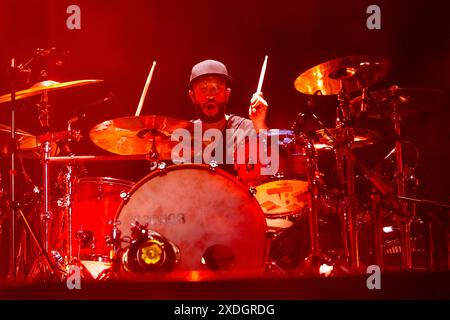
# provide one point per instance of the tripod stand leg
(377, 231)
(42, 252)
(405, 236)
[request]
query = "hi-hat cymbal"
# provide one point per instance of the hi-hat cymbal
(27, 144)
(48, 85)
(137, 135)
(361, 138)
(407, 101)
(26, 141)
(351, 73)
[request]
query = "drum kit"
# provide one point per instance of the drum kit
(200, 218)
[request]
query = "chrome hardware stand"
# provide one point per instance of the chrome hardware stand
(348, 204)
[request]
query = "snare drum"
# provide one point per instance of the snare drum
(284, 193)
(200, 209)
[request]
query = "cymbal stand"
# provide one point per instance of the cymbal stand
(153, 155)
(14, 206)
(405, 220)
(44, 119)
(314, 181)
(312, 264)
(68, 201)
(383, 188)
(69, 179)
(12, 173)
(347, 205)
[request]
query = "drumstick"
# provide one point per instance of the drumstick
(144, 92)
(261, 76)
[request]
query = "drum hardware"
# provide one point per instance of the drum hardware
(408, 102)
(14, 148)
(394, 104)
(213, 165)
(45, 143)
(314, 263)
(341, 77)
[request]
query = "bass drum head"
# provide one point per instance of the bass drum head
(206, 213)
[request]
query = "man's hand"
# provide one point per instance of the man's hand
(258, 110)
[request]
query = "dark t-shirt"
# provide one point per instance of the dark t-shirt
(239, 127)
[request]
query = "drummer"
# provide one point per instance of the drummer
(210, 89)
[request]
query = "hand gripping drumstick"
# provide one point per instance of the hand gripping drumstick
(144, 92)
(261, 76)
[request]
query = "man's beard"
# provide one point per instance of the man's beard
(210, 119)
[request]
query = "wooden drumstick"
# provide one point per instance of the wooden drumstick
(144, 92)
(261, 76)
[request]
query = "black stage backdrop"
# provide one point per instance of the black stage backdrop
(118, 40)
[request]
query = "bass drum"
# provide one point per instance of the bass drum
(206, 213)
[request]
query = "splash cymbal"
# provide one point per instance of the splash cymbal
(352, 73)
(137, 135)
(47, 86)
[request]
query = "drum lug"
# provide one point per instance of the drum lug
(125, 195)
(162, 166)
(213, 165)
(252, 191)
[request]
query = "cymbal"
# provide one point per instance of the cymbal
(48, 85)
(26, 141)
(352, 73)
(408, 101)
(361, 138)
(136, 135)
(28, 144)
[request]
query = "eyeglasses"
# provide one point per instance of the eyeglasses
(210, 86)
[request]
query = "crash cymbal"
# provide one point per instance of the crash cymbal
(361, 138)
(48, 85)
(136, 135)
(408, 102)
(352, 73)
